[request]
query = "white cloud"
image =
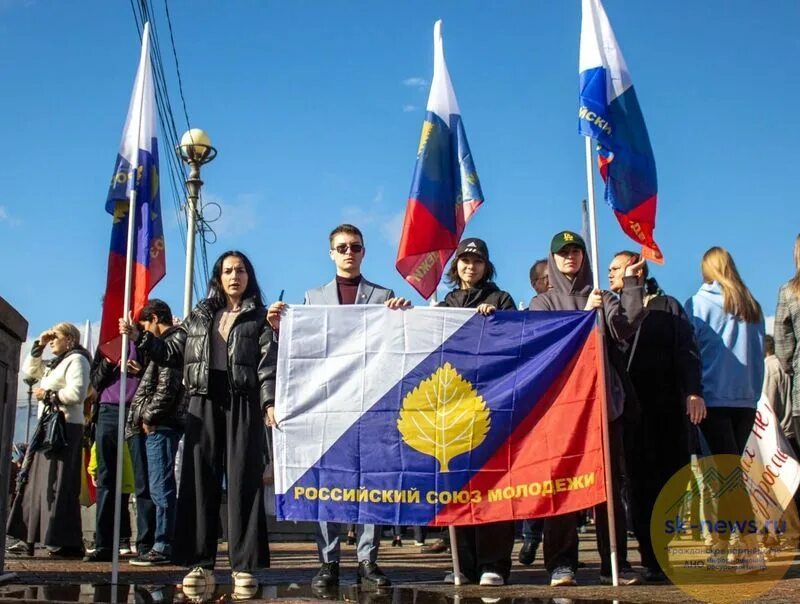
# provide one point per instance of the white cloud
(409, 108)
(358, 216)
(374, 213)
(770, 324)
(8, 218)
(231, 219)
(415, 82)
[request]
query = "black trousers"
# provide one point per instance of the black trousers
(224, 437)
(659, 449)
(485, 548)
(726, 429)
(561, 542)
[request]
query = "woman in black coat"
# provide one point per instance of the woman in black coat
(229, 359)
(484, 550)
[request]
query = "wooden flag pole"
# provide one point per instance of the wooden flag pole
(612, 526)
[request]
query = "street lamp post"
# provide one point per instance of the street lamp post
(30, 381)
(195, 149)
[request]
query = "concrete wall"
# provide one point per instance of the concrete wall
(13, 332)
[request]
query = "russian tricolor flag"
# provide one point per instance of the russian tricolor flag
(436, 416)
(610, 114)
(138, 153)
(445, 191)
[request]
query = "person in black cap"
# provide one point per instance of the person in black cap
(484, 550)
(571, 288)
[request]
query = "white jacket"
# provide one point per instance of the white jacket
(69, 380)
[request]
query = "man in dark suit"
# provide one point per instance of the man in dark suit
(348, 287)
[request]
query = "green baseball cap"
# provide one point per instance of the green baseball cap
(565, 238)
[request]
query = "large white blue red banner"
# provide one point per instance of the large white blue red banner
(435, 416)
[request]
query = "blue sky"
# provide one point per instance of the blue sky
(316, 110)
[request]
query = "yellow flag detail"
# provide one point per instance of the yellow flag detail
(444, 417)
(427, 128)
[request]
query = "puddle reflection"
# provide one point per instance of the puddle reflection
(222, 593)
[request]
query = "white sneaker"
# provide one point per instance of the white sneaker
(451, 578)
(199, 576)
(491, 579)
(247, 592)
(199, 593)
(243, 579)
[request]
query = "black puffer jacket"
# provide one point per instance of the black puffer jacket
(487, 293)
(252, 352)
(159, 397)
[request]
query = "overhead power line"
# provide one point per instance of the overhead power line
(172, 166)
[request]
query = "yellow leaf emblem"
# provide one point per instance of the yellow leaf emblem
(444, 416)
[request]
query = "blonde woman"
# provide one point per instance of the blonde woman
(729, 327)
(787, 334)
(47, 508)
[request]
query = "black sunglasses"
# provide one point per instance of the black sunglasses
(353, 247)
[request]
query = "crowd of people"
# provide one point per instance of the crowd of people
(680, 374)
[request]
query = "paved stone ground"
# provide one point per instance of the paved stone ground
(416, 578)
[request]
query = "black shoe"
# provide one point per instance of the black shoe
(527, 554)
(98, 556)
(653, 575)
(325, 593)
(67, 553)
(327, 576)
(151, 558)
(437, 547)
(372, 573)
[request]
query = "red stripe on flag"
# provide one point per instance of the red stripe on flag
(426, 246)
(559, 444)
(639, 225)
(143, 282)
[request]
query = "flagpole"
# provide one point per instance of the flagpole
(123, 383)
(123, 363)
(451, 530)
(612, 526)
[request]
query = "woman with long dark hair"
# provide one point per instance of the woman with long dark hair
(484, 550)
(787, 336)
(226, 349)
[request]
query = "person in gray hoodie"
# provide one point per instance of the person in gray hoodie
(571, 289)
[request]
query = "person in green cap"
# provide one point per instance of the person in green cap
(571, 289)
